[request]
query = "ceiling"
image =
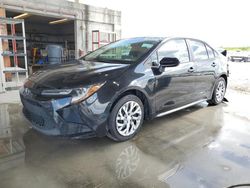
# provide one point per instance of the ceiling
(35, 18)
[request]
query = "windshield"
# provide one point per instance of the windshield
(123, 51)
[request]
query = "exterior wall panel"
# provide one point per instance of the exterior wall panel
(87, 18)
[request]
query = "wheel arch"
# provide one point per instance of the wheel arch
(141, 95)
(225, 77)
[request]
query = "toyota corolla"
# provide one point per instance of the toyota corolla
(113, 90)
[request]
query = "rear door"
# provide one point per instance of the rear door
(174, 85)
(203, 56)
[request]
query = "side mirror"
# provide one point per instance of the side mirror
(169, 62)
(222, 51)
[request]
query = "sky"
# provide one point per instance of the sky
(219, 22)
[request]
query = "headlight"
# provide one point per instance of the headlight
(77, 94)
(83, 93)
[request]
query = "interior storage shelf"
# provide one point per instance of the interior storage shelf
(10, 37)
(13, 69)
(13, 54)
(9, 72)
(10, 20)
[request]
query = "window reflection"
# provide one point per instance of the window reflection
(199, 50)
(174, 48)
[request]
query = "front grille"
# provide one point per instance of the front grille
(36, 120)
(32, 102)
(39, 114)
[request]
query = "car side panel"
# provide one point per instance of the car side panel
(174, 87)
(205, 81)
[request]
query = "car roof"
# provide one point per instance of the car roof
(164, 38)
(147, 38)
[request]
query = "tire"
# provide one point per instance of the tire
(218, 92)
(124, 122)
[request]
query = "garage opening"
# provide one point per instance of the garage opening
(45, 38)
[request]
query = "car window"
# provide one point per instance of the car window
(210, 52)
(126, 50)
(199, 50)
(174, 48)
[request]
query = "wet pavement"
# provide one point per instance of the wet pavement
(202, 146)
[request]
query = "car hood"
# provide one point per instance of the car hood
(76, 74)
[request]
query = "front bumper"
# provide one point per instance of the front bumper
(59, 117)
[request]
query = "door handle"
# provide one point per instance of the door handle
(191, 69)
(213, 64)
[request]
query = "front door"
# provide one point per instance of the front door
(175, 85)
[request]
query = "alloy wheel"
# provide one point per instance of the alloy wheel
(128, 118)
(220, 91)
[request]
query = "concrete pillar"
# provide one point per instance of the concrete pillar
(80, 39)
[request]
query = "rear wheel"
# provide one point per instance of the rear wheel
(219, 92)
(126, 118)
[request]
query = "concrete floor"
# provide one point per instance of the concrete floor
(202, 146)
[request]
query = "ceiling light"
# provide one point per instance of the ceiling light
(24, 15)
(58, 21)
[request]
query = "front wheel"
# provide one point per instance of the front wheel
(219, 92)
(126, 118)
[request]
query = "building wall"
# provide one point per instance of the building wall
(87, 18)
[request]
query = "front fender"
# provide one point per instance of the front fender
(133, 90)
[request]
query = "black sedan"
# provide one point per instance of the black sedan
(111, 91)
